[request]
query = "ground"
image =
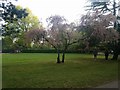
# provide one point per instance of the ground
(40, 70)
(113, 84)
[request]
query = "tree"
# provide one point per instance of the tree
(30, 22)
(9, 15)
(59, 34)
(16, 21)
(99, 28)
(106, 6)
(7, 43)
(35, 36)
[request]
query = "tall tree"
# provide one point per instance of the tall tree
(29, 22)
(99, 28)
(107, 6)
(59, 34)
(9, 15)
(16, 21)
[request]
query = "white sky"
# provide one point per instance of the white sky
(70, 9)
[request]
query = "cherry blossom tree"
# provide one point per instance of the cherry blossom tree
(99, 27)
(107, 6)
(59, 34)
(62, 35)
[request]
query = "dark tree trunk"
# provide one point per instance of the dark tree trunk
(63, 57)
(115, 55)
(116, 50)
(58, 57)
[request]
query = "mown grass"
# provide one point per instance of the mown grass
(40, 70)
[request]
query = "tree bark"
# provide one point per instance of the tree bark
(58, 57)
(115, 55)
(63, 57)
(116, 49)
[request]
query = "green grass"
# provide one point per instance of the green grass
(35, 70)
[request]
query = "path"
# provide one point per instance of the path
(113, 84)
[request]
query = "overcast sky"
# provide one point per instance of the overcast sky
(70, 9)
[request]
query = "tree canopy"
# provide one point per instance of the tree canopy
(9, 15)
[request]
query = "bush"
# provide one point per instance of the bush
(8, 51)
(40, 51)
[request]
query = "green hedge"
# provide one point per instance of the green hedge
(8, 51)
(49, 51)
(41, 51)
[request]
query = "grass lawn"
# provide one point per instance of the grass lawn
(40, 70)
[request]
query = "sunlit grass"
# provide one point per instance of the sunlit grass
(40, 70)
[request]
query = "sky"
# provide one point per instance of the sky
(70, 9)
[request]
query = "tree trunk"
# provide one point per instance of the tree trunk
(116, 51)
(115, 55)
(58, 58)
(63, 57)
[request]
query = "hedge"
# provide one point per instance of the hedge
(41, 51)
